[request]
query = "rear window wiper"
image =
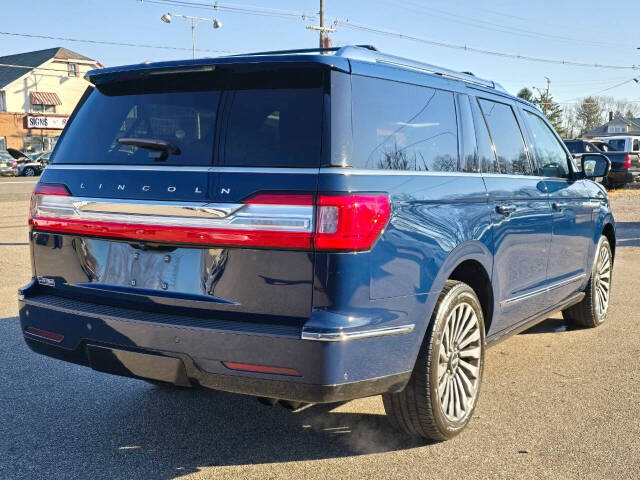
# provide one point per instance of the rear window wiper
(159, 148)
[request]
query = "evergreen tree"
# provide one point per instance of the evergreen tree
(526, 94)
(588, 114)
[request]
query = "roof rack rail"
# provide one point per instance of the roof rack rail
(302, 50)
(369, 55)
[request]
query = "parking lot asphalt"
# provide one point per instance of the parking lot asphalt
(556, 402)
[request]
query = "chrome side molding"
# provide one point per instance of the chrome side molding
(548, 288)
(343, 336)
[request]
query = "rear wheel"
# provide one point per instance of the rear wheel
(442, 393)
(592, 310)
(29, 172)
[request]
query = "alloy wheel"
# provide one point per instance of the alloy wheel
(459, 363)
(603, 281)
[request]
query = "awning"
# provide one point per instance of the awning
(44, 98)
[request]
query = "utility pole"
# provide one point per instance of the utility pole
(323, 37)
(325, 41)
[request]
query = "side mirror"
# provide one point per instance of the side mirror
(595, 165)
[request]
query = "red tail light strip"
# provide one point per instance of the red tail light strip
(248, 367)
(56, 337)
(344, 222)
(176, 234)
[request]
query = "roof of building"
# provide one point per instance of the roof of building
(602, 129)
(30, 60)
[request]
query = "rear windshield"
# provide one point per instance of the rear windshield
(618, 144)
(266, 119)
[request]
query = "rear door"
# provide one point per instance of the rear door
(522, 219)
(190, 192)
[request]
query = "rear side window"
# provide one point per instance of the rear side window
(468, 145)
(507, 138)
(486, 153)
(265, 119)
(551, 158)
(400, 126)
(618, 144)
(636, 145)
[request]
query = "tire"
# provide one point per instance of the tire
(418, 409)
(29, 172)
(591, 312)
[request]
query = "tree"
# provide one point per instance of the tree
(588, 114)
(544, 101)
(552, 110)
(526, 94)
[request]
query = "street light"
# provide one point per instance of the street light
(166, 18)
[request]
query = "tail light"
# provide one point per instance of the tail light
(350, 222)
(627, 161)
(343, 222)
(43, 190)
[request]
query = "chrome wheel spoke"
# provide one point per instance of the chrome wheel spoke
(459, 360)
(471, 352)
(474, 336)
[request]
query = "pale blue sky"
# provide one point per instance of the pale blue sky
(589, 34)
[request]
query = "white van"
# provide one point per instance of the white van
(623, 143)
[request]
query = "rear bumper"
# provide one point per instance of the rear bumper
(187, 351)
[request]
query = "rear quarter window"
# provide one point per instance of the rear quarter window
(401, 126)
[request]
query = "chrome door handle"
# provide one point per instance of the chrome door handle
(505, 210)
(560, 206)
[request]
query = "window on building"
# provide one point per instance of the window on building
(73, 69)
(507, 138)
(39, 108)
(35, 144)
(3, 102)
(3, 143)
(399, 126)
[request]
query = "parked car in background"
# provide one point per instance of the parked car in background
(311, 228)
(8, 165)
(30, 166)
(625, 166)
(623, 143)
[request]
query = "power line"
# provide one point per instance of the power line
(105, 42)
(378, 31)
(27, 67)
(484, 24)
(254, 10)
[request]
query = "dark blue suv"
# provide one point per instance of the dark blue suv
(311, 226)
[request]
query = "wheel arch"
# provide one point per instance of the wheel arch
(609, 231)
(471, 263)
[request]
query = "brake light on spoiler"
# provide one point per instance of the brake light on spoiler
(328, 222)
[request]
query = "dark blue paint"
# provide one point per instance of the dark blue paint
(250, 305)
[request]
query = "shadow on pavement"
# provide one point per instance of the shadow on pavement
(628, 234)
(551, 325)
(67, 421)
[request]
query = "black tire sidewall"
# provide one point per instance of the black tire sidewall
(461, 293)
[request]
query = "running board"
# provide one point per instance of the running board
(531, 321)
